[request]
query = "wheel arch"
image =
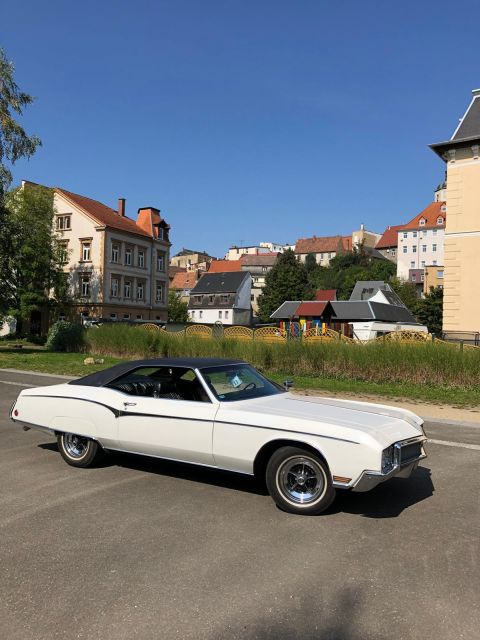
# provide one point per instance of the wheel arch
(268, 449)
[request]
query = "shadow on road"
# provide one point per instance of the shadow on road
(388, 500)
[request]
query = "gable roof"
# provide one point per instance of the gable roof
(430, 215)
(287, 309)
(312, 308)
(224, 282)
(367, 289)
(224, 266)
(102, 214)
(261, 259)
(389, 237)
(184, 280)
(353, 310)
(469, 126)
(326, 244)
(326, 294)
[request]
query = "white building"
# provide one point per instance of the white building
(221, 297)
(421, 243)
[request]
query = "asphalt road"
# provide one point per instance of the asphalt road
(148, 549)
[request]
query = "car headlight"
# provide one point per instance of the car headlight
(387, 460)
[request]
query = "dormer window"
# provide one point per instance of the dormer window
(421, 222)
(443, 209)
(439, 220)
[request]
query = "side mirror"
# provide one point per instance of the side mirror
(287, 384)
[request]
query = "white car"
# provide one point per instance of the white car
(225, 414)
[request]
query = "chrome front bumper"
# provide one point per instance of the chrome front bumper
(402, 465)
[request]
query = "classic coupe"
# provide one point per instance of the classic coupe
(226, 414)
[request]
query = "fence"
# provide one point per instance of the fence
(313, 335)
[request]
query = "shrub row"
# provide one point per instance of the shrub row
(423, 363)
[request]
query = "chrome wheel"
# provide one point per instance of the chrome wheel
(301, 480)
(75, 446)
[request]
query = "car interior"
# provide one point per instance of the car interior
(172, 383)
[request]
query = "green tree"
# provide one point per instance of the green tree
(429, 310)
(177, 310)
(287, 280)
(14, 142)
(31, 276)
(407, 292)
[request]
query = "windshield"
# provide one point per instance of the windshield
(238, 382)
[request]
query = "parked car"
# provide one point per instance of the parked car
(225, 414)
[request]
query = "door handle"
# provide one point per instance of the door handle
(129, 404)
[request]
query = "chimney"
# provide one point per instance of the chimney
(121, 207)
(475, 92)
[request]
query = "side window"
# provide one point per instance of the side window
(168, 383)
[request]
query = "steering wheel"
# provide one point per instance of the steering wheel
(250, 385)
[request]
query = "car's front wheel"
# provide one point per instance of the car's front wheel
(78, 451)
(299, 481)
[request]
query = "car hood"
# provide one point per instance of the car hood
(331, 417)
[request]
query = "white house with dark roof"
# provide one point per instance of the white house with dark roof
(222, 297)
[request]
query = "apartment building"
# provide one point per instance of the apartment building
(421, 243)
(461, 304)
(323, 248)
(118, 267)
(191, 260)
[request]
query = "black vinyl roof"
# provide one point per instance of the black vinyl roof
(101, 378)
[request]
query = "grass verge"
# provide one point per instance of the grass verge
(72, 364)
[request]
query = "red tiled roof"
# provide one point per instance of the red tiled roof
(103, 214)
(312, 308)
(223, 266)
(430, 215)
(389, 238)
(263, 259)
(319, 245)
(184, 280)
(326, 294)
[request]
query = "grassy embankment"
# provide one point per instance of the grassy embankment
(423, 372)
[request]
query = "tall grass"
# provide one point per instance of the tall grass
(422, 363)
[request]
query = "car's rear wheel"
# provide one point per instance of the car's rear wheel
(299, 481)
(78, 451)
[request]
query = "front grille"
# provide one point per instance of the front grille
(410, 452)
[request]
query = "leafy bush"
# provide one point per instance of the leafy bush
(65, 336)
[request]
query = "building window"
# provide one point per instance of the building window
(226, 315)
(160, 261)
(435, 232)
(414, 234)
(434, 247)
(113, 316)
(422, 277)
(414, 248)
(141, 258)
(200, 314)
(63, 223)
(115, 252)
(128, 256)
(321, 256)
(252, 298)
(197, 299)
(220, 314)
(421, 222)
(114, 288)
(63, 252)
(434, 263)
(422, 264)
(439, 273)
(159, 295)
(424, 248)
(412, 265)
(86, 251)
(85, 285)
(224, 299)
(139, 316)
(394, 252)
(126, 316)
(127, 289)
(405, 249)
(160, 233)
(140, 291)
(414, 277)
(439, 220)
(405, 235)
(264, 269)
(211, 299)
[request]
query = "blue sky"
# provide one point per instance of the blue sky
(245, 120)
